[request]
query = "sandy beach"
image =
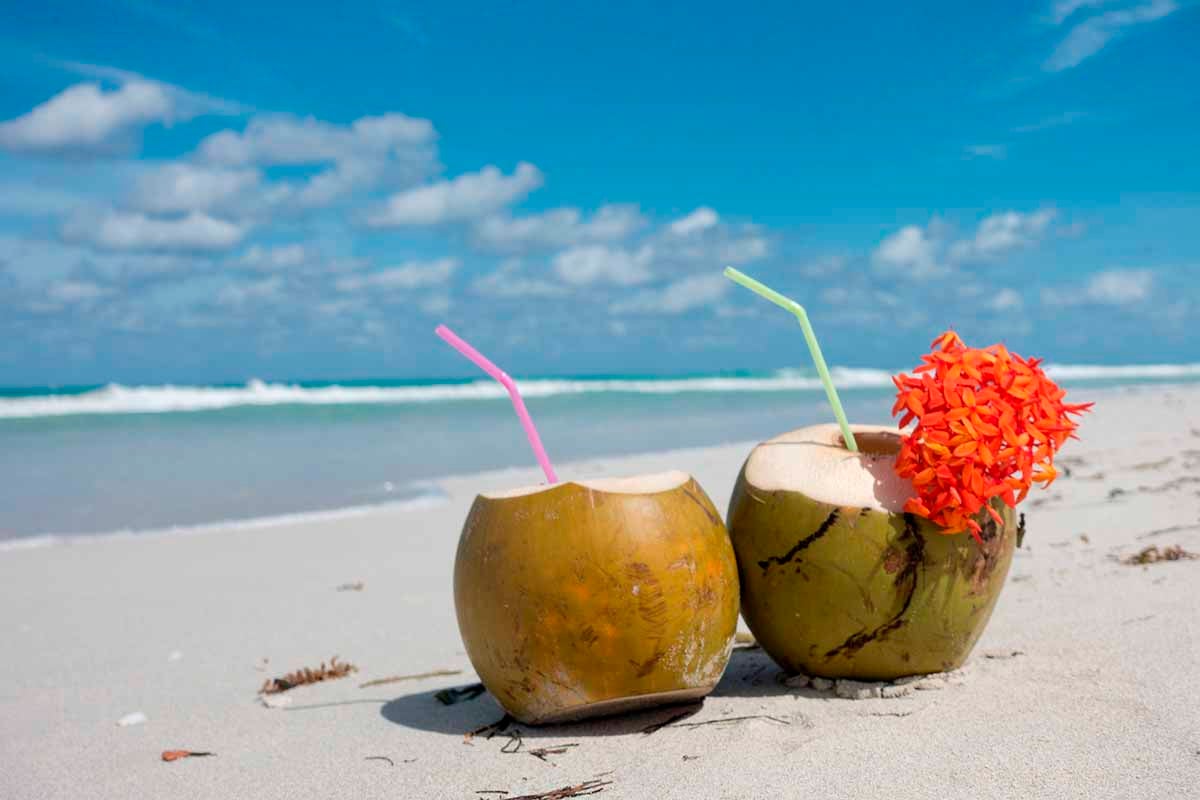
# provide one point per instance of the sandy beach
(1083, 685)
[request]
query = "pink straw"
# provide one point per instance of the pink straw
(480, 361)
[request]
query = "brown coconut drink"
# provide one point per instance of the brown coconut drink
(586, 598)
(594, 597)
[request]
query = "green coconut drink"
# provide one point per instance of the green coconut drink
(838, 580)
(874, 552)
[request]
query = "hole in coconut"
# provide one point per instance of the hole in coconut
(874, 443)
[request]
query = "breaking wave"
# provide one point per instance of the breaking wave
(120, 399)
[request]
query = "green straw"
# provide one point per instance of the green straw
(791, 305)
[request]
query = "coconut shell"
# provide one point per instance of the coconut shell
(574, 601)
(856, 589)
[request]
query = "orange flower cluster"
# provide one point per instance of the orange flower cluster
(988, 425)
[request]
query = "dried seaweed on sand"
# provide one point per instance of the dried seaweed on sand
(1154, 554)
(578, 790)
(301, 677)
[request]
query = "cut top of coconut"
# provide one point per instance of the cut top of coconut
(636, 484)
(814, 461)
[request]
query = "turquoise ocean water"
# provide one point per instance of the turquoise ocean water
(84, 460)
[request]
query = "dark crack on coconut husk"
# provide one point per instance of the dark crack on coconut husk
(991, 545)
(914, 556)
(801, 545)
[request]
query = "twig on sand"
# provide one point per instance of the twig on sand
(1172, 529)
(514, 743)
(381, 758)
(458, 694)
(722, 720)
(1002, 653)
(491, 791)
(541, 753)
(357, 586)
(578, 790)
(175, 755)
(489, 730)
(658, 726)
(307, 675)
(437, 673)
(1154, 554)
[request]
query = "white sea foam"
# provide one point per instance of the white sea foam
(1082, 372)
(119, 399)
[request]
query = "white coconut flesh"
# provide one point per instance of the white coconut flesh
(814, 462)
(637, 485)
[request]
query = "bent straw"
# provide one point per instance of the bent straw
(500, 375)
(811, 338)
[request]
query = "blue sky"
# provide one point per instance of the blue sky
(219, 191)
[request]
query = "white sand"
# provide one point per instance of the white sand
(1100, 702)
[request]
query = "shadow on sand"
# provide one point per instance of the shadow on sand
(751, 673)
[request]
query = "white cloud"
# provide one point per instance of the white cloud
(282, 139)
(472, 195)
(718, 245)
(87, 119)
(588, 264)
(278, 257)
(1119, 287)
(742, 251)
(559, 227)
(835, 296)
(118, 230)
(1054, 121)
(996, 151)
(1090, 36)
(677, 297)
(910, 250)
(436, 305)
(1003, 232)
(182, 187)
(235, 295)
(410, 275)
(928, 252)
(76, 291)
(1006, 300)
(1112, 287)
(392, 148)
(509, 281)
(1065, 8)
(28, 199)
(823, 267)
(701, 219)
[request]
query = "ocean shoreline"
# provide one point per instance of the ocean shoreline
(431, 492)
(24, 403)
